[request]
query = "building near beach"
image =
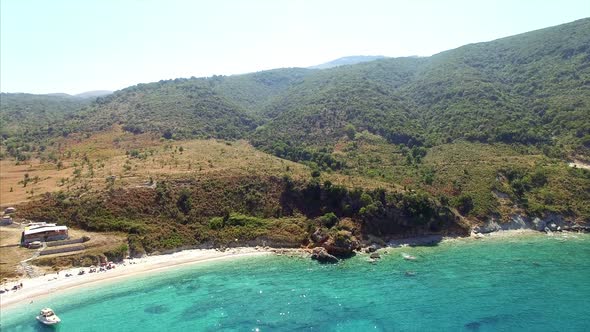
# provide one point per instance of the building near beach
(43, 233)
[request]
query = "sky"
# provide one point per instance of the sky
(77, 46)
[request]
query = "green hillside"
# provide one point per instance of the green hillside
(529, 89)
(26, 120)
(483, 130)
(175, 109)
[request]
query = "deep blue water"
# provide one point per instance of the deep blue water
(533, 283)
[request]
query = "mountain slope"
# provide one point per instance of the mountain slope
(513, 90)
(254, 91)
(180, 108)
(35, 115)
(531, 88)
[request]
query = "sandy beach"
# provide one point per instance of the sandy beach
(38, 287)
(44, 285)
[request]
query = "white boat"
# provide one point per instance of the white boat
(48, 317)
(408, 257)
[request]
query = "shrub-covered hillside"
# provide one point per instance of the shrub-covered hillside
(482, 130)
(26, 120)
(532, 88)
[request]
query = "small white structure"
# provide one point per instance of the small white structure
(9, 210)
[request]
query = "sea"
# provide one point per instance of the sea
(517, 283)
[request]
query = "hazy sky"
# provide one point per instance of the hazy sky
(80, 45)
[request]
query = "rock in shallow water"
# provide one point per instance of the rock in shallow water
(321, 255)
(341, 244)
(157, 309)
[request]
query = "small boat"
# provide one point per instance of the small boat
(48, 317)
(408, 257)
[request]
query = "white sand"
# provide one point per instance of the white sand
(42, 286)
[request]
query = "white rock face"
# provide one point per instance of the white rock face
(552, 221)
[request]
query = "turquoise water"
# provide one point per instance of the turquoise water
(535, 283)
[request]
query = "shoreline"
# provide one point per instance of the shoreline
(42, 286)
(428, 240)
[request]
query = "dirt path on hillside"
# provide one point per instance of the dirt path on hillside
(579, 164)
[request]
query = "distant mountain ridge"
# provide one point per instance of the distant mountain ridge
(30, 117)
(348, 60)
(87, 94)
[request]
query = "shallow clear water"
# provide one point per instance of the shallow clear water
(533, 283)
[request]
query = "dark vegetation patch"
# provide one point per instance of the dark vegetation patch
(231, 212)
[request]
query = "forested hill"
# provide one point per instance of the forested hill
(531, 89)
(35, 116)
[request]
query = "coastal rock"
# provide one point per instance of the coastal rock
(553, 222)
(577, 228)
(539, 224)
(370, 249)
(489, 227)
(342, 244)
(319, 236)
(375, 255)
(321, 255)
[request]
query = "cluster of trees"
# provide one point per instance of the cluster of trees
(320, 157)
(378, 211)
(176, 214)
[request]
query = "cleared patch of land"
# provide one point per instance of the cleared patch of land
(579, 164)
(118, 158)
(11, 254)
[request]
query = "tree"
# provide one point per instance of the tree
(184, 202)
(464, 203)
(350, 131)
(329, 219)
